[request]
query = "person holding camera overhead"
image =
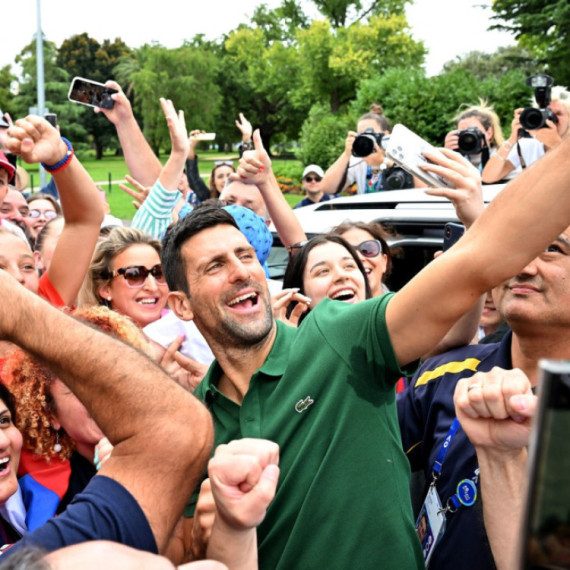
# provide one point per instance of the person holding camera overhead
(362, 161)
(534, 130)
(478, 134)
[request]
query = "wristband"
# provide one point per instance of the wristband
(508, 145)
(64, 162)
(246, 145)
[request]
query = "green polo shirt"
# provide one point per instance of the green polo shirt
(324, 394)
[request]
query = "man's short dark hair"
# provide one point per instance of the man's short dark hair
(173, 263)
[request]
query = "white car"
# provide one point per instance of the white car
(417, 219)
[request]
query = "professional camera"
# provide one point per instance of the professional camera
(471, 141)
(532, 118)
(365, 142)
(396, 178)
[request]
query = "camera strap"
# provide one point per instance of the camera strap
(521, 158)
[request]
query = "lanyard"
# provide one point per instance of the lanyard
(466, 492)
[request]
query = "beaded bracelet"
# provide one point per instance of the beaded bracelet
(64, 162)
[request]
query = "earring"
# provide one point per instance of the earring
(57, 445)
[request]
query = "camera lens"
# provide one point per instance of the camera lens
(532, 119)
(470, 141)
(363, 145)
(396, 178)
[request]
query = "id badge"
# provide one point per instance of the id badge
(431, 523)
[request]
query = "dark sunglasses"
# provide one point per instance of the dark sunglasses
(369, 248)
(47, 214)
(135, 275)
(313, 178)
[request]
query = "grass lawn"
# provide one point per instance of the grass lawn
(113, 168)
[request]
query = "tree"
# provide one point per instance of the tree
(83, 56)
(541, 25)
(343, 13)
(6, 96)
(56, 82)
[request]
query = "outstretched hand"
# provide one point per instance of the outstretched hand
(122, 110)
(176, 126)
(244, 475)
(140, 193)
(35, 140)
(280, 303)
(245, 127)
(467, 196)
(254, 165)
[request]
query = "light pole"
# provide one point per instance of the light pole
(40, 76)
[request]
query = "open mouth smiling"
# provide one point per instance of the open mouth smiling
(148, 301)
(244, 301)
(346, 295)
(4, 462)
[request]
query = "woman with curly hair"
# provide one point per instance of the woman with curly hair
(59, 435)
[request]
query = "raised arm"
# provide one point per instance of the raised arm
(336, 174)
(520, 222)
(494, 410)
(498, 166)
(141, 161)
(136, 404)
(255, 168)
(37, 141)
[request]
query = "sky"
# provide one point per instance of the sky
(448, 27)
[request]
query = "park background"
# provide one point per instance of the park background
(301, 71)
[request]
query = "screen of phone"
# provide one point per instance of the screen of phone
(547, 533)
(91, 93)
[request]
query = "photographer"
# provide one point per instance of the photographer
(524, 147)
(364, 170)
(478, 134)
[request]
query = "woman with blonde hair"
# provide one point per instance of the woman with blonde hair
(125, 275)
(476, 147)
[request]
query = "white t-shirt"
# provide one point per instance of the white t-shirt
(531, 150)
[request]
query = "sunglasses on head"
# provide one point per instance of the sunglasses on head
(369, 248)
(135, 275)
(224, 163)
(47, 214)
(313, 178)
(293, 249)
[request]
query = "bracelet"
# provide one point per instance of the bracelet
(500, 157)
(246, 145)
(64, 162)
(507, 144)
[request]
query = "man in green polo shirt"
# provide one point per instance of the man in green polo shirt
(322, 392)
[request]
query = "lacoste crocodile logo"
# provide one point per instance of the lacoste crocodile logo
(302, 405)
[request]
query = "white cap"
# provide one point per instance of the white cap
(315, 169)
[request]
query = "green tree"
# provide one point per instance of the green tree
(6, 96)
(343, 13)
(541, 25)
(83, 56)
(56, 82)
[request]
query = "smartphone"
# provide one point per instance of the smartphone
(204, 136)
(51, 118)
(451, 233)
(91, 93)
(546, 533)
(407, 149)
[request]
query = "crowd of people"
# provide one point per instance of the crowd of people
(164, 401)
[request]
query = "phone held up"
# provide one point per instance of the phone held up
(407, 149)
(91, 93)
(451, 234)
(546, 534)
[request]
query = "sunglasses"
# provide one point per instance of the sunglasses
(313, 178)
(369, 248)
(135, 275)
(47, 214)
(224, 163)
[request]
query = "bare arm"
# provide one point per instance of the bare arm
(495, 410)
(498, 166)
(138, 406)
(335, 174)
(422, 312)
(255, 168)
(37, 141)
(141, 161)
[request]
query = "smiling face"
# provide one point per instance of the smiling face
(246, 195)
(14, 208)
(229, 300)
(142, 304)
(332, 272)
(10, 448)
(375, 267)
(17, 259)
(540, 293)
(35, 224)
